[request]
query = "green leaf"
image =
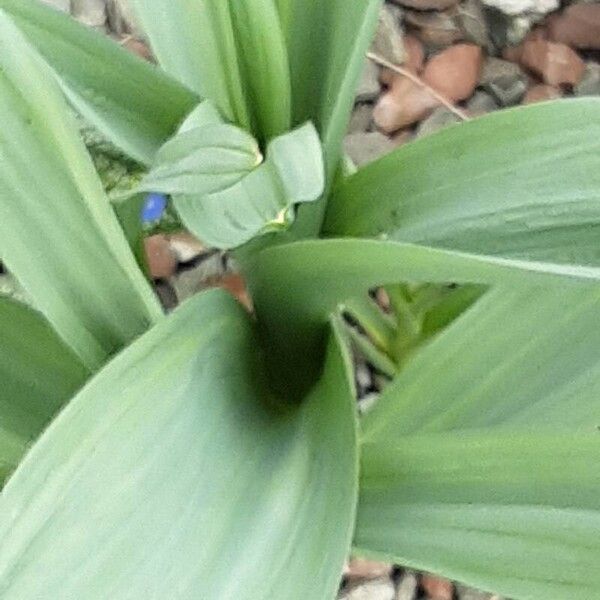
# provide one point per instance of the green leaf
(514, 513)
(296, 286)
(522, 183)
(163, 485)
(519, 357)
(58, 233)
(264, 65)
(327, 42)
(194, 41)
(38, 374)
(133, 103)
(224, 193)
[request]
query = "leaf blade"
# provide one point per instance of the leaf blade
(38, 372)
(222, 441)
(85, 283)
(532, 196)
(522, 508)
(133, 103)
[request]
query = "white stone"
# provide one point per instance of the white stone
(517, 7)
(379, 589)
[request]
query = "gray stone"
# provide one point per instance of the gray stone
(505, 80)
(519, 7)
(366, 147)
(64, 5)
(590, 82)
(90, 12)
(482, 102)
(121, 19)
(407, 587)
(361, 119)
(388, 40)
(439, 119)
(378, 589)
(471, 19)
(368, 87)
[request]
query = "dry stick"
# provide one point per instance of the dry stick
(415, 79)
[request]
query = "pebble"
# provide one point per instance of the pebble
(454, 72)
(472, 20)
(415, 54)
(365, 147)
(435, 29)
(368, 87)
(185, 246)
(137, 47)
(379, 589)
(481, 103)
(405, 103)
(556, 64)
(540, 93)
(162, 262)
(517, 7)
(427, 4)
(90, 12)
(361, 568)
(505, 80)
(437, 588)
(590, 82)
(361, 118)
(439, 119)
(407, 587)
(577, 26)
(388, 41)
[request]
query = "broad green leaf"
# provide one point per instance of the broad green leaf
(58, 233)
(513, 513)
(327, 42)
(519, 357)
(203, 160)
(522, 183)
(38, 374)
(176, 467)
(223, 190)
(194, 41)
(133, 103)
(264, 65)
(296, 286)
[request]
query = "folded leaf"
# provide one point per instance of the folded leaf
(296, 286)
(517, 514)
(38, 374)
(58, 233)
(194, 41)
(224, 193)
(163, 485)
(131, 102)
(522, 183)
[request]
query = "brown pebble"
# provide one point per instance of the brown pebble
(162, 261)
(556, 64)
(437, 588)
(415, 54)
(138, 47)
(541, 92)
(405, 103)
(577, 26)
(454, 72)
